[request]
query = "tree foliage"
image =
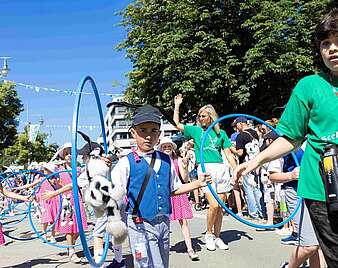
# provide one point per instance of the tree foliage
(23, 151)
(237, 55)
(10, 108)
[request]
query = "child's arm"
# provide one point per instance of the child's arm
(203, 179)
(284, 177)
(183, 167)
(12, 195)
(29, 185)
(50, 194)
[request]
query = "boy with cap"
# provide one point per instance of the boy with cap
(148, 188)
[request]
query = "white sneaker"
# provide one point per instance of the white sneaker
(283, 231)
(52, 239)
(209, 242)
(220, 244)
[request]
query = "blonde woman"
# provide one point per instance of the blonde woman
(217, 140)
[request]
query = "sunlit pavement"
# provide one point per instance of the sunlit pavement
(248, 248)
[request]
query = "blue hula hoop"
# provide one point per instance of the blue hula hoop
(220, 202)
(74, 171)
(40, 235)
(24, 211)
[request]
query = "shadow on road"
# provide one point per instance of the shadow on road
(32, 263)
(229, 236)
(180, 247)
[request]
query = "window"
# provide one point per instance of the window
(121, 110)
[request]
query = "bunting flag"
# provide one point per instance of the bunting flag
(33, 132)
(37, 89)
(89, 127)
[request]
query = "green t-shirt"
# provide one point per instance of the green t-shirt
(213, 145)
(312, 110)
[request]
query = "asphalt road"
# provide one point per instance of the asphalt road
(248, 248)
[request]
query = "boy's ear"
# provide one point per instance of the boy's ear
(132, 131)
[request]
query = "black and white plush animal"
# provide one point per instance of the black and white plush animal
(103, 196)
(37, 210)
(67, 210)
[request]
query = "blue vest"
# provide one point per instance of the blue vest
(290, 164)
(156, 197)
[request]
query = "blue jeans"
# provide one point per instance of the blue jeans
(253, 197)
(151, 238)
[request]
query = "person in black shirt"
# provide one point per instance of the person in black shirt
(247, 147)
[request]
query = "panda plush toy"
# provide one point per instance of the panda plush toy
(103, 196)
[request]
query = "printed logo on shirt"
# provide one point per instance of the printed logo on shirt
(252, 149)
(330, 137)
(212, 145)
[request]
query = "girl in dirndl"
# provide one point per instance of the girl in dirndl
(68, 225)
(181, 208)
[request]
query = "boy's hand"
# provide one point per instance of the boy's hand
(178, 99)
(204, 178)
(295, 173)
(244, 169)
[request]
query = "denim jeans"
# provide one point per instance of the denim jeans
(253, 196)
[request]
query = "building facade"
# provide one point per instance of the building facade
(117, 128)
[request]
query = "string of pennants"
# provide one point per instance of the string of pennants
(89, 127)
(37, 89)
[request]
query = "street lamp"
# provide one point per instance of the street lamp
(5, 69)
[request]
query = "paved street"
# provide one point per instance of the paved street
(248, 248)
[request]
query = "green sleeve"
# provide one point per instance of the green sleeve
(226, 142)
(294, 121)
(188, 131)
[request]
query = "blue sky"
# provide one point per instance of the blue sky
(54, 44)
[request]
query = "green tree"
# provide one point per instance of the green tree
(237, 55)
(10, 108)
(23, 151)
(281, 51)
(180, 46)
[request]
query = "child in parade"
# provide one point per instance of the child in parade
(312, 112)
(181, 209)
(70, 226)
(101, 222)
(48, 208)
(11, 195)
(148, 214)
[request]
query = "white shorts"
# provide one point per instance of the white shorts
(220, 174)
(269, 194)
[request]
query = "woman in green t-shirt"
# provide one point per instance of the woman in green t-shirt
(312, 112)
(216, 142)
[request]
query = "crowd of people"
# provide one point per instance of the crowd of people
(251, 170)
